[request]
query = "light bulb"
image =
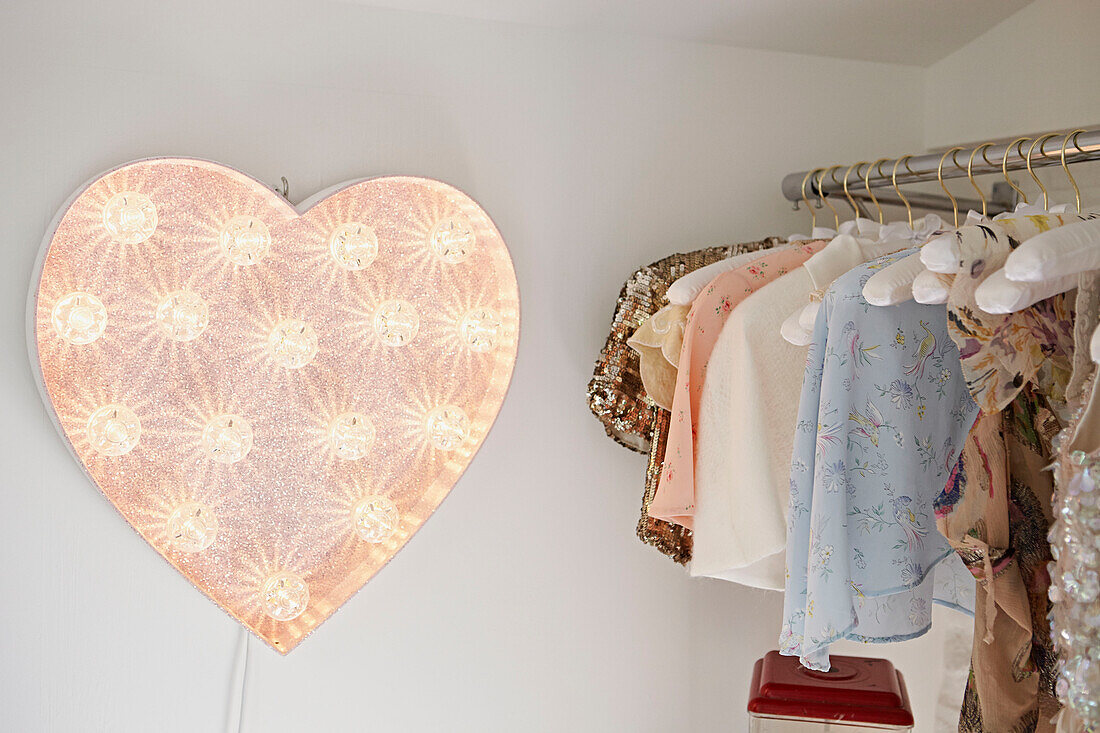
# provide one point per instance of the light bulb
(447, 427)
(353, 245)
(227, 438)
(245, 240)
(396, 322)
(292, 343)
(284, 595)
(79, 318)
(480, 329)
(351, 435)
(376, 519)
(192, 527)
(452, 239)
(113, 430)
(130, 217)
(183, 315)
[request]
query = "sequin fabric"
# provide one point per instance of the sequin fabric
(1075, 571)
(616, 395)
(671, 539)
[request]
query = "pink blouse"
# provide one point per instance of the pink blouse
(674, 500)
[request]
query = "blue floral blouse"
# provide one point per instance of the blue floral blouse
(883, 416)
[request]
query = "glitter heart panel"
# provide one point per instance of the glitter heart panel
(276, 401)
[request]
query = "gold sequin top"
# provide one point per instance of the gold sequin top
(615, 394)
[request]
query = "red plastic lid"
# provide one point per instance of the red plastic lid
(855, 690)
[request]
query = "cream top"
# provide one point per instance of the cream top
(745, 438)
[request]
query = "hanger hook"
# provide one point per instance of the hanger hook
(847, 195)
(806, 199)
(825, 197)
(867, 185)
(939, 176)
(839, 182)
(1018, 145)
(1072, 180)
(1040, 141)
(970, 172)
(283, 188)
(894, 181)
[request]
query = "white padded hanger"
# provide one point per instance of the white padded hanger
(942, 253)
(893, 284)
(932, 288)
(685, 289)
(1069, 249)
(997, 294)
(792, 332)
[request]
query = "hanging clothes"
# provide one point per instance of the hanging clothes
(995, 513)
(672, 540)
(658, 342)
(1075, 582)
(616, 394)
(1000, 353)
(748, 412)
(675, 498)
(842, 254)
(746, 429)
(996, 519)
(687, 288)
(882, 418)
(1085, 322)
(660, 339)
(1075, 534)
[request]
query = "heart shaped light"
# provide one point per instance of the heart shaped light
(275, 399)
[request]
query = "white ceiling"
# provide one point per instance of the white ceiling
(917, 32)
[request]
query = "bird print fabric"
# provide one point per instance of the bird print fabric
(925, 350)
(884, 412)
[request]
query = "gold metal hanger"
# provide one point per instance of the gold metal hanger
(970, 172)
(1040, 141)
(1017, 144)
(939, 175)
(825, 197)
(870, 191)
(894, 181)
(847, 195)
(1072, 180)
(806, 199)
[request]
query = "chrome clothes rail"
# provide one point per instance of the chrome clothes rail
(923, 168)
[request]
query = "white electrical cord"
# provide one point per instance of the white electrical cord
(235, 716)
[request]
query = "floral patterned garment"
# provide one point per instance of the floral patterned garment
(672, 540)
(1000, 353)
(616, 395)
(883, 415)
(675, 497)
(996, 512)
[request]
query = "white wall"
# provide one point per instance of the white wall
(1033, 71)
(526, 604)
